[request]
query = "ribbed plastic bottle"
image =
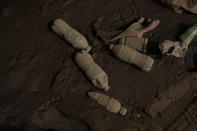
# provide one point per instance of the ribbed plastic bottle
(94, 72)
(109, 103)
(76, 39)
(132, 56)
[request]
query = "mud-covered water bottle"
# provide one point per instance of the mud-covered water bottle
(76, 39)
(132, 56)
(109, 103)
(93, 71)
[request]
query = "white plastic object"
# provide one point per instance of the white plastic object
(94, 72)
(132, 56)
(111, 104)
(177, 49)
(76, 39)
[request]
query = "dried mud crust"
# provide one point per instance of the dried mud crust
(187, 119)
(175, 92)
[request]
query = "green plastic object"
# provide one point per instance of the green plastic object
(189, 35)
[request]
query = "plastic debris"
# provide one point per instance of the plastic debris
(109, 103)
(179, 5)
(179, 48)
(132, 56)
(97, 76)
(132, 36)
(136, 29)
(189, 35)
(176, 49)
(72, 36)
(134, 33)
(136, 43)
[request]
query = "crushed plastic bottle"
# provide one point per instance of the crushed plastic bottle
(109, 103)
(97, 76)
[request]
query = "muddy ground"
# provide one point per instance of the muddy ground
(37, 67)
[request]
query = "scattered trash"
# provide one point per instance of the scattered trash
(179, 48)
(180, 5)
(72, 36)
(52, 119)
(110, 104)
(176, 49)
(97, 76)
(132, 36)
(131, 56)
(136, 43)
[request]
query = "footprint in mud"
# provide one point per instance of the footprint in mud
(52, 119)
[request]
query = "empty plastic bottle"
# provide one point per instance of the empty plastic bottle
(97, 76)
(132, 56)
(72, 36)
(109, 103)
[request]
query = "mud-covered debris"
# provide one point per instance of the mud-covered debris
(174, 48)
(189, 35)
(109, 103)
(132, 56)
(72, 36)
(136, 43)
(94, 72)
(180, 5)
(179, 48)
(132, 36)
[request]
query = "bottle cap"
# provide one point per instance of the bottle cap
(123, 111)
(111, 46)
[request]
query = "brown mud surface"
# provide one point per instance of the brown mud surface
(37, 67)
